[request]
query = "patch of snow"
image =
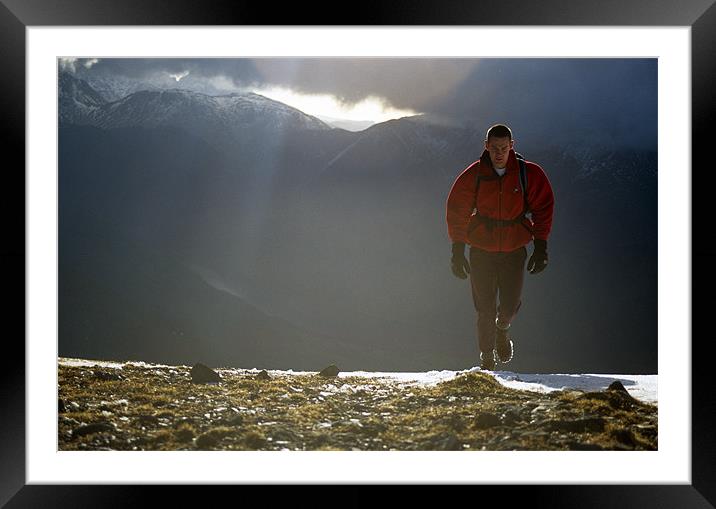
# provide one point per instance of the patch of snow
(423, 378)
(69, 361)
(641, 387)
(66, 361)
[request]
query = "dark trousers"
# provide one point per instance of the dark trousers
(494, 275)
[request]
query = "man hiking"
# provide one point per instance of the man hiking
(497, 205)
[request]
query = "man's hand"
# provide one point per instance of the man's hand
(538, 260)
(458, 263)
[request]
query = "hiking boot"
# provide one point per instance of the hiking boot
(487, 360)
(503, 344)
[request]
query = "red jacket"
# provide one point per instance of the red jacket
(499, 198)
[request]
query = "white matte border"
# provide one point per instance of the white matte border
(670, 464)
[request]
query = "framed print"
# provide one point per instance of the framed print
(40, 40)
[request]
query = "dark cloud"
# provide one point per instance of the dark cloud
(607, 100)
(405, 83)
(612, 95)
(240, 70)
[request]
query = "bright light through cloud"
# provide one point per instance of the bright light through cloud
(89, 63)
(180, 75)
(372, 108)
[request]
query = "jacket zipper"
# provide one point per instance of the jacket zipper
(499, 217)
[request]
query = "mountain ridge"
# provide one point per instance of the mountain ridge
(81, 104)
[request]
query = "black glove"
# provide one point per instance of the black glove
(538, 260)
(458, 263)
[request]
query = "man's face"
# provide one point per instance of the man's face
(499, 149)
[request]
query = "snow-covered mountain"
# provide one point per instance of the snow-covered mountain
(192, 110)
(217, 119)
(115, 87)
(79, 103)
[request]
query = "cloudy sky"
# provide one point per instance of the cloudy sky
(615, 94)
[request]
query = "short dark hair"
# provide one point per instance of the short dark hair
(499, 131)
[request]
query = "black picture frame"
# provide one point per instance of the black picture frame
(16, 15)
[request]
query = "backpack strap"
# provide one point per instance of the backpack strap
(523, 182)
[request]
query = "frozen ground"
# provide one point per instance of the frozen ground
(642, 387)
